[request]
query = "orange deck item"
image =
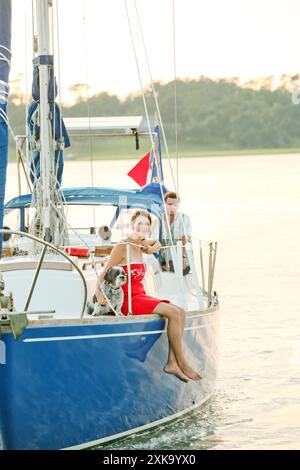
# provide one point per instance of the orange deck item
(79, 252)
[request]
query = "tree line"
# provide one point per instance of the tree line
(211, 114)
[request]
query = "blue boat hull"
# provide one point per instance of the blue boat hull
(78, 385)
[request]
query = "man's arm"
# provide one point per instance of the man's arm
(187, 232)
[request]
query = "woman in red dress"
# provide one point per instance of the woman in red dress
(141, 303)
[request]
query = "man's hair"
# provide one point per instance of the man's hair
(142, 213)
(171, 195)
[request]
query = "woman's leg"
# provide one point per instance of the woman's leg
(182, 315)
(175, 329)
(172, 357)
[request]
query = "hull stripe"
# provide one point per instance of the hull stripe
(113, 335)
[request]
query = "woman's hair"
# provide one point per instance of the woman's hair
(143, 214)
(171, 195)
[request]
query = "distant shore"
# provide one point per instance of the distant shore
(192, 153)
(197, 154)
(233, 153)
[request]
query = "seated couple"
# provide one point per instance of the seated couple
(143, 303)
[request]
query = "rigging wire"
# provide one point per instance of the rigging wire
(156, 101)
(88, 100)
(155, 95)
(65, 212)
(26, 92)
(58, 71)
(175, 96)
(147, 115)
(56, 145)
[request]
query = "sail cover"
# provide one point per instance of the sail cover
(59, 130)
(5, 56)
(148, 198)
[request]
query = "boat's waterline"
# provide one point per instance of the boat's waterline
(140, 429)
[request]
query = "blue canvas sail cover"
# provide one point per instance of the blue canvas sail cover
(59, 130)
(148, 198)
(5, 56)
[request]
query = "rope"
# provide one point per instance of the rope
(6, 120)
(3, 57)
(3, 92)
(4, 85)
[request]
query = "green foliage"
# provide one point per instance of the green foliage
(212, 115)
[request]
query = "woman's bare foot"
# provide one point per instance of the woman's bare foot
(175, 370)
(190, 373)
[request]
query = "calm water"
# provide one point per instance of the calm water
(251, 205)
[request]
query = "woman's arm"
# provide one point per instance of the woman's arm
(114, 259)
(151, 246)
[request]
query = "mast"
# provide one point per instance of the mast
(42, 42)
(48, 135)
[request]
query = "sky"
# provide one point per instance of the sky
(216, 38)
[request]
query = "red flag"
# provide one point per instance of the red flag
(140, 171)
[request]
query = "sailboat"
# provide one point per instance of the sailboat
(69, 380)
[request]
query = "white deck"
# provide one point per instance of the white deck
(60, 287)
